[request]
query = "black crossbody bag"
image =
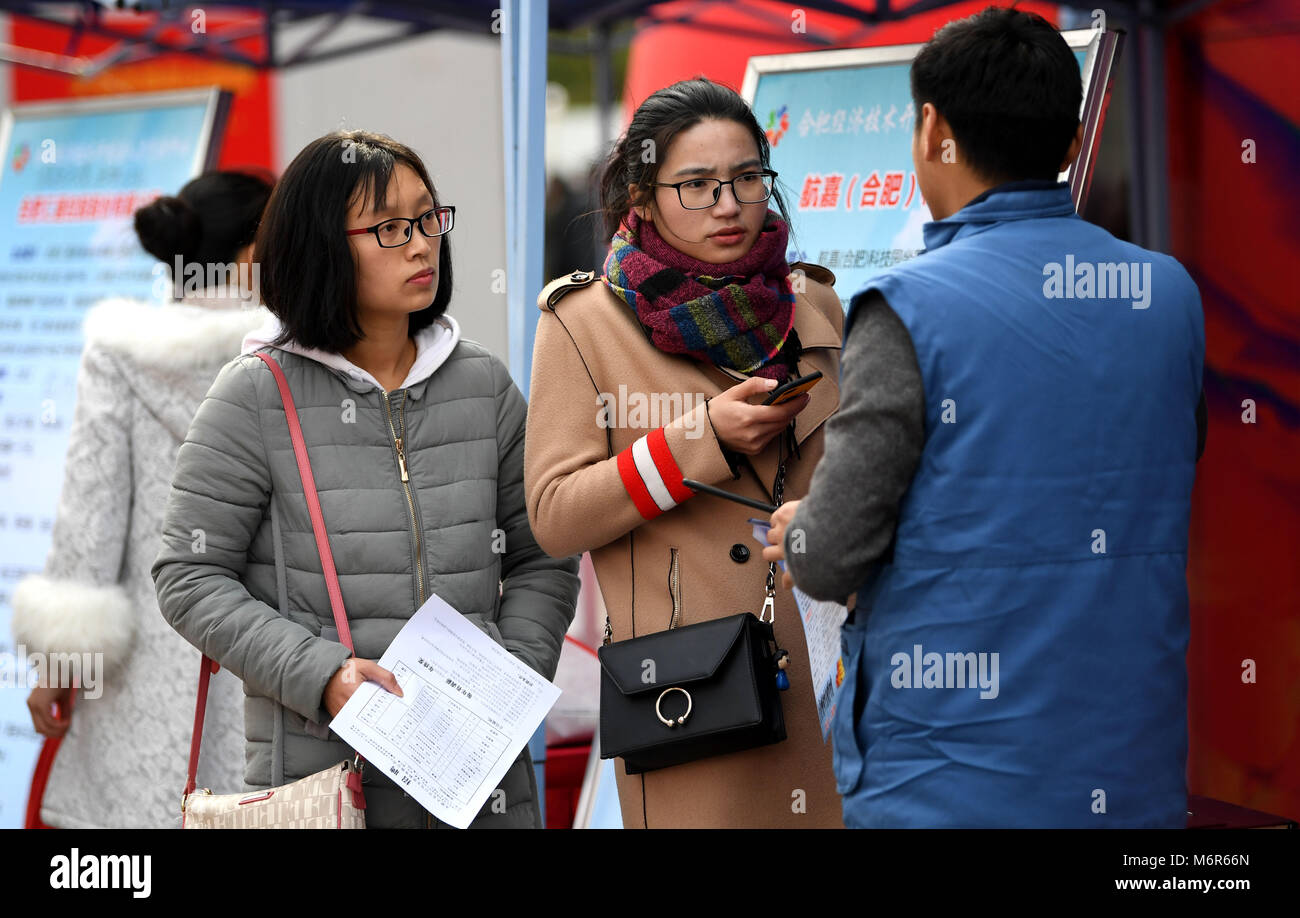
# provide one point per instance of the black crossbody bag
(715, 692)
(693, 692)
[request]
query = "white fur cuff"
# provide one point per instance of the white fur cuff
(65, 616)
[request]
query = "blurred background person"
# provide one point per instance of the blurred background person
(143, 373)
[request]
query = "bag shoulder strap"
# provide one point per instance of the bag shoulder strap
(208, 666)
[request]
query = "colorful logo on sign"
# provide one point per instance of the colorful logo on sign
(778, 122)
(21, 155)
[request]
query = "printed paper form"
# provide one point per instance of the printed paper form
(821, 627)
(467, 710)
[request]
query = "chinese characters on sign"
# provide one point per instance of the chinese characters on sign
(845, 162)
(825, 191)
(864, 258)
(80, 206)
(857, 120)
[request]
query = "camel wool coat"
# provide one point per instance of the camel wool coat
(598, 387)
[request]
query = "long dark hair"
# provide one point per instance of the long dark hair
(207, 222)
(309, 279)
(661, 117)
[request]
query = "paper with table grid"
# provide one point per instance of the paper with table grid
(468, 708)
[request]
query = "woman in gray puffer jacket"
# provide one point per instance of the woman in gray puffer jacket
(416, 439)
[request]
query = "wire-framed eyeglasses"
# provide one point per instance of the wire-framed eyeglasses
(703, 193)
(396, 231)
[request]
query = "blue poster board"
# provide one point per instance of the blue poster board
(840, 126)
(72, 175)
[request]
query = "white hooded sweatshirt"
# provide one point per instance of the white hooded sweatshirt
(433, 345)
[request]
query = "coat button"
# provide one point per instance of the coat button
(739, 553)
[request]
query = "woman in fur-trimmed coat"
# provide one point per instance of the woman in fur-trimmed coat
(123, 758)
(144, 370)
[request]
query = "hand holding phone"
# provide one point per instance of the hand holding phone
(747, 427)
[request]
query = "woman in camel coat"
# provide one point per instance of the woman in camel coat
(619, 414)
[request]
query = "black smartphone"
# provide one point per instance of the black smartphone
(793, 388)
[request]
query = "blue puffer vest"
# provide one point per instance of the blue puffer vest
(1020, 661)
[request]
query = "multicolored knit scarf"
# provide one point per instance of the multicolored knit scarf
(737, 315)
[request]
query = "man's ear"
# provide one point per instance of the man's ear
(934, 130)
(1075, 146)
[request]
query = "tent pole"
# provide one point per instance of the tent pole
(523, 84)
(523, 87)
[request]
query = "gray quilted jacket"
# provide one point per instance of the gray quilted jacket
(239, 575)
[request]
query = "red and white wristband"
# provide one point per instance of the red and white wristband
(651, 475)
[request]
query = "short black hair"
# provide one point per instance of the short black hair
(1010, 88)
(661, 117)
(308, 277)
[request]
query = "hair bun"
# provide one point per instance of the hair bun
(167, 227)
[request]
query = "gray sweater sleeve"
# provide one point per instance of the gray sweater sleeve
(873, 446)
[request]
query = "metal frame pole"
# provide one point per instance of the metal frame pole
(523, 88)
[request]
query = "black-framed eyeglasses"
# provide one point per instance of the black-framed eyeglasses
(703, 193)
(396, 231)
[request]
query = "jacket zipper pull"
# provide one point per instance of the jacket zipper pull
(401, 460)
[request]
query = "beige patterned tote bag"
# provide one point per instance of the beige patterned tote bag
(329, 799)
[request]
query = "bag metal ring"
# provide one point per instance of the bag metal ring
(668, 721)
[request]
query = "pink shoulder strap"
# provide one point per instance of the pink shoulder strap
(208, 666)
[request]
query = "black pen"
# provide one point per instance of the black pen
(727, 495)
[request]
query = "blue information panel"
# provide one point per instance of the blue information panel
(840, 125)
(71, 177)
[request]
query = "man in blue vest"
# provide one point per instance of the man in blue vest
(1006, 486)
